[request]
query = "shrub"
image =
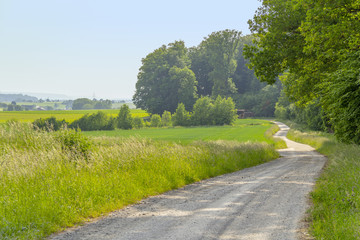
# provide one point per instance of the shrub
(202, 112)
(138, 122)
(74, 142)
(181, 116)
(155, 120)
(124, 119)
(166, 119)
(94, 122)
(223, 111)
(49, 124)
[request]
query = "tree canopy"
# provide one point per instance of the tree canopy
(174, 74)
(315, 46)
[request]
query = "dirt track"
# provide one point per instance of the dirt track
(263, 202)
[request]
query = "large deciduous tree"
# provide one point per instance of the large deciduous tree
(317, 43)
(165, 79)
(222, 47)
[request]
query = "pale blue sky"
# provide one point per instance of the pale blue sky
(82, 47)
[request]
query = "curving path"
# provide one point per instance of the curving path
(263, 202)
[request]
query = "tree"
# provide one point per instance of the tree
(222, 47)
(165, 79)
(82, 103)
(223, 111)
(181, 117)
(155, 120)
(315, 46)
(185, 78)
(124, 119)
(202, 112)
(166, 118)
(138, 122)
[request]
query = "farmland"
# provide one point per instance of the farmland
(68, 115)
(47, 184)
(243, 130)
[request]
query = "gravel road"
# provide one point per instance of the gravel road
(263, 202)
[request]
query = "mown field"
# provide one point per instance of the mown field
(68, 115)
(335, 213)
(243, 130)
(53, 180)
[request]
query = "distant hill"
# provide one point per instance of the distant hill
(16, 98)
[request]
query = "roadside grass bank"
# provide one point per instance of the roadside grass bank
(53, 180)
(335, 213)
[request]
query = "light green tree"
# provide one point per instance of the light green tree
(124, 119)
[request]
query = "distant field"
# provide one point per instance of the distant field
(244, 130)
(68, 115)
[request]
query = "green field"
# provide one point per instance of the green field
(53, 180)
(68, 115)
(243, 130)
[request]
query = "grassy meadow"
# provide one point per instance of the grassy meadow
(243, 130)
(68, 115)
(53, 180)
(335, 213)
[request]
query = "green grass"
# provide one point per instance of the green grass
(68, 115)
(336, 198)
(243, 130)
(45, 187)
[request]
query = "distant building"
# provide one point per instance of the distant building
(243, 113)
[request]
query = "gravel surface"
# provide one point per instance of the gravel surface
(263, 202)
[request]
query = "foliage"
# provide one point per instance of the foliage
(203, 111)
(223, 111)
(164, 79)
(50, 124)
(315, 45)
(181, 117)
(124, 119)
(222, 47)
(138, 122)
(75, 142)
(85, 103)
(95, 121)
(166, 118)
(342, 99)
(155, 120)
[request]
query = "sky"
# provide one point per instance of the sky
(93, 48)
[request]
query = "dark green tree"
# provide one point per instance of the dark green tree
(124, 119)
(222, 47)
(165, 79)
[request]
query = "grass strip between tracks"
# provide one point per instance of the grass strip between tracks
(46, 186)
(335, 213)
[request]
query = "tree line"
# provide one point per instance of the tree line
(315, 47)
(206, 112)
(174, 74)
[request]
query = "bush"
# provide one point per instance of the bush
(74, 142)
(181, 116)
(49, 124)
(94, 122)
(202, 112)
(223, 111)
(138, 122)
(155, 120)
(124, 119)
(166, 119)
